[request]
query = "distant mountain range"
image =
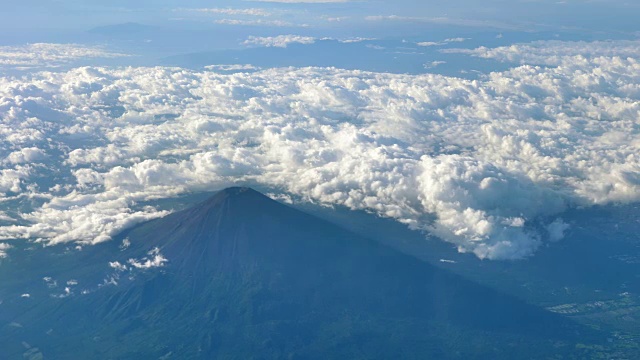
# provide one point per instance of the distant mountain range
(241, 276)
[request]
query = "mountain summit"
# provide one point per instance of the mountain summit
(243, 276)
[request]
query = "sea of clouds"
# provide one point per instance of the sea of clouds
(488, 165)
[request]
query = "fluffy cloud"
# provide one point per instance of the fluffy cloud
(118, 266)
(154, 260)
(11, 179)
(25, 155)
(488, 165)
(5, 217)
(49, 55)
(3, 249)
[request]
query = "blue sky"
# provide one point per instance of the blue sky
(531, 15)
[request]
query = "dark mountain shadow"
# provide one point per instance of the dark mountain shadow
(243, 276)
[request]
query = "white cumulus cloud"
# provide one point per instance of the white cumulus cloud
(488, 165)
(154, 260)
(25, 155)
(3, 249)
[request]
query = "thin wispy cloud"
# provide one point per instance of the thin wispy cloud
(278, 41)
(50, 55)
(275, 23)
(443, 42)
(229, 11)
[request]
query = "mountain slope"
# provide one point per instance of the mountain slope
(243, 276)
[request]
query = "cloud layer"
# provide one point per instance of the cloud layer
(487, 165)
(555, 52)
(283, 41)
(49, 55)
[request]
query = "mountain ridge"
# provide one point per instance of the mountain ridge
(241, 275)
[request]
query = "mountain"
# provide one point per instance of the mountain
(243, 276)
